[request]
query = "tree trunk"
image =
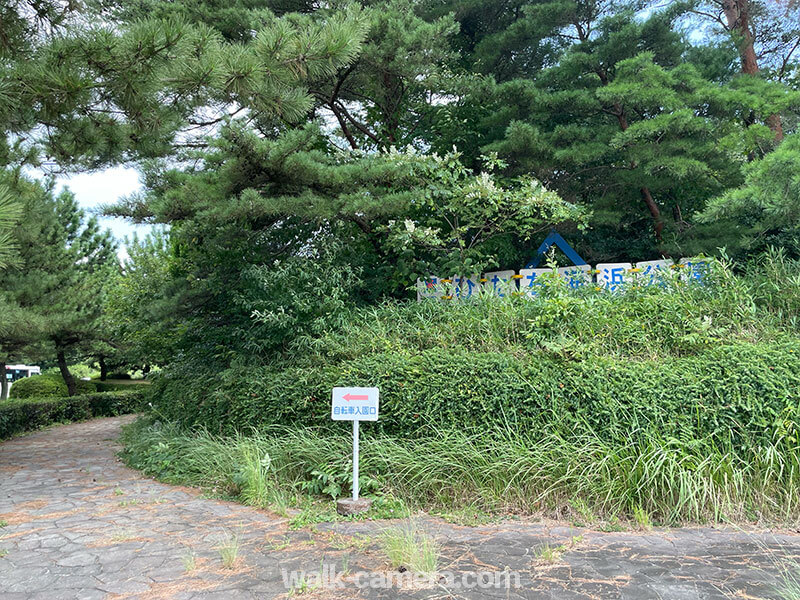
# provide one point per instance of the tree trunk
(68, 378)
(658, 222)
(655, 212)
(103, 368)
(737, 15)
(4, 382)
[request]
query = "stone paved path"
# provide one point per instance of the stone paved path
(78, 524)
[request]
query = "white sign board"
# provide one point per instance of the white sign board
(354, 404)
(613, 276)
(528, 283)
(650, 271)
(466, 286)
(429, 288)
(577, 276)
(501, 282)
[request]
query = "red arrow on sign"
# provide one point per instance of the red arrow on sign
(349, 397)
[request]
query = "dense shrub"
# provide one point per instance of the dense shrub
(47, 386)
(738, 392)
(19, 415)
(682, 402)
(670, 480)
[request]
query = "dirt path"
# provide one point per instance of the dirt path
(75, 523)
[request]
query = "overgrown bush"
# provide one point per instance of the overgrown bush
(47, 386)
(20, 415)
(685, 360)
(679, 402)
(742, 392)
(503, 470)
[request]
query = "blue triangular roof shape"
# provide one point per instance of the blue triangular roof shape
(555, 238)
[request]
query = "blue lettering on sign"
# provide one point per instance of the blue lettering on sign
(495, 281)
(652, 275)
(470, 286)
(697, 270)
(617, 278)
(575, 278)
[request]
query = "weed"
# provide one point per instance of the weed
(283, 544)
(302, 587)
(189, 561)
(228, 549)
(642, 518)
(358, 543)
(121, 535)
(550, 554)
(3, 523)
(410, 548)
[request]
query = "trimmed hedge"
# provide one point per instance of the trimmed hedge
(47, 386)
(742, 392)
(20, 415)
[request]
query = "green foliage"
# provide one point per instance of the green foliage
(48, 386)
(766, 208)
(731, 393)
(10, 213)
(57, 289)
(27, 414)
(689, 361)
(115, 385)
(410, 548)
(673, 480)
(107, 91)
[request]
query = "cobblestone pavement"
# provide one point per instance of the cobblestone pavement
(78, 524)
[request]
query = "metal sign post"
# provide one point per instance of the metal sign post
(354, 404)
(355, 460)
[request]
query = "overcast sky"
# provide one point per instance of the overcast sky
(103, 187)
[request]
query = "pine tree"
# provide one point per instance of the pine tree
(86, 95)
(65, 259)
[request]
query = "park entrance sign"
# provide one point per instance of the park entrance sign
(354, 404)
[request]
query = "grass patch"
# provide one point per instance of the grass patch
(228, 549)
(189, 560)
(123, 536)
(550, 554)
(411, 548)
(639, 478)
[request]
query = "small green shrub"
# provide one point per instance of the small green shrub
(47, 386)
(20, 415)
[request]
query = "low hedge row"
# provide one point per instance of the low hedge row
(741, 393)
(20, 415)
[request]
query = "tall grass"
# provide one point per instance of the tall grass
(673, 481)
(675, 318)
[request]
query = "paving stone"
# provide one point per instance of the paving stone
(72, 536)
